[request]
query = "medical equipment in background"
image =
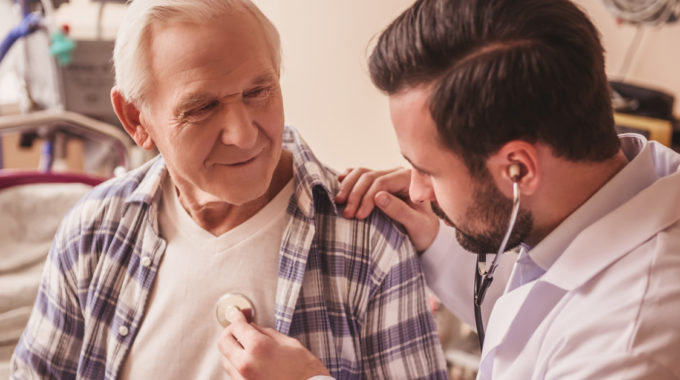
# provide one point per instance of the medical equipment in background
(61, 99)
(640, 13)
(652, 12)
(37, 38)
(59, 126)
(33, 203)
(484, 276)
(646, 111)
(642, 109)
(69, 82)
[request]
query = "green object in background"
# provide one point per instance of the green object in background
(62, 47)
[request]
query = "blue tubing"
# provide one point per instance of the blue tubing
(28, 25)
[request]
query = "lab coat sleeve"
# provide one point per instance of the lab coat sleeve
(49, 347)
(449, 273)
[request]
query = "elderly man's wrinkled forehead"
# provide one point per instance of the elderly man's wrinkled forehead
(236, 20)
(233, 41)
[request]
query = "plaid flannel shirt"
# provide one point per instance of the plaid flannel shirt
(351, 291)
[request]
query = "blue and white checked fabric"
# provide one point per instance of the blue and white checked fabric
(351, 291)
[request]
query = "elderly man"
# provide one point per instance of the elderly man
(234, 203)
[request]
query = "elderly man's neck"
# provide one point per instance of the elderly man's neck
(220, 217)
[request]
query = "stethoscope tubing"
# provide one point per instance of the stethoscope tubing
(484, 277)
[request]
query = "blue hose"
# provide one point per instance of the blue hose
(28, 25)
(24, 8)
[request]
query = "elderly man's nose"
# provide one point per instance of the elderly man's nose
(238, 128)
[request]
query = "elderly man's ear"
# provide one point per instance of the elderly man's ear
(130, 117)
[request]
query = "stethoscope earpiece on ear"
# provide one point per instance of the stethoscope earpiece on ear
(514, 172)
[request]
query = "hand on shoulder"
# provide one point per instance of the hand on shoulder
(361, 190)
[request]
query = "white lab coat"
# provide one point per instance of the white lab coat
(608, 306)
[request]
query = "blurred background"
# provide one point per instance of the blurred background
(56, 118)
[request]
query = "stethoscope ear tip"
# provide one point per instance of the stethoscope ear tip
(514, 172)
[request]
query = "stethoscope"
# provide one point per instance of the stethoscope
(234, 302)
(484, 277)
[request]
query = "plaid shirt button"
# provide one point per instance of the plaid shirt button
(146, 261)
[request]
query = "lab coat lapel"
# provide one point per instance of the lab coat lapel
(514, 318)
(504, 312)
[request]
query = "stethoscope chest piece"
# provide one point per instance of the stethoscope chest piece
(231, 301)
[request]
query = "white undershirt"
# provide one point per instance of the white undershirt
(179, 334)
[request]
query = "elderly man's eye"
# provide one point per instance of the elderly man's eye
(196, 113)
(259, 92)
(205, 108)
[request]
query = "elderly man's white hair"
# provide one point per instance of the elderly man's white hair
(131, 53)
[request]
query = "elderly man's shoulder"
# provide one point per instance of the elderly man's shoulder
(383, 228)
(375, 250)
(107, 200)
(377, 231)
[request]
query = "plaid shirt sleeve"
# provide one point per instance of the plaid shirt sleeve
(50, 345)
(399, 337)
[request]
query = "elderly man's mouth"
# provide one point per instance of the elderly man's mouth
(237, 164)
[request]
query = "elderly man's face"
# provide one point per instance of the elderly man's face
(215, 111)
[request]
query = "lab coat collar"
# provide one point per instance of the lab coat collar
(637, 175)
(646, 192)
